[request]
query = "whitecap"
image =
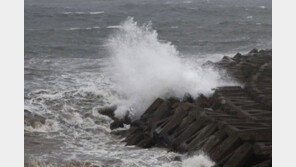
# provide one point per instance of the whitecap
(73, 28)
(199, 160)
(36, 126)
(79, 28)
(188, 2)
(95, 13)
(67, 13)
(83, 13)
(249, 17)
(115, 26)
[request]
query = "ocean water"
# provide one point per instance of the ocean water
(85, 56)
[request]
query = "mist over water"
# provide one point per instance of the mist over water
(145, 68)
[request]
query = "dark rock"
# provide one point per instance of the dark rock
(240, 156)
(208, 64)
(190, 130)
(226, 59)
(202, 101)
(152, 108)
(175, 120)
(117, 123)
(147, 142)
(187, 98)
(213, 141)
(184, 106)
(265, 52)
(238, 55)
(108, 111)
(254, 51)
(135, 139)
(174, 100)
(119, 132)
(225, 148)
(177, 158)
(266, 163)
(161, 112)
(200, 137)
(138, 123)
(127, 119)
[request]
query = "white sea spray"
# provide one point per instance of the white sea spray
(145, 68)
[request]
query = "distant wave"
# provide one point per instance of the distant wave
(115, 26)
(84, 13)
(248, 21)
(66, 29)
(78, 28)
(174, 27)
(249, 17)
(100, 12)
(187, 2)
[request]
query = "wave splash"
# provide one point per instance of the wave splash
(199, 160)
(145, 68)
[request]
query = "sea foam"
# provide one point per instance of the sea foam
(199, 160)
(145, 68)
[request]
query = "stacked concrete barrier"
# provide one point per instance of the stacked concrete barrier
(233, 126)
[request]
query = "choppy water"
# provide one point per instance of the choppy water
(81, 56)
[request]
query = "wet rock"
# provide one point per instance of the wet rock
(227, 59)
(108, 111)
(199, 138)
(180, 113)
(202, 101)
(173, 100)
(119, 132)
(152, 108)
(117, 123)
(164, 110)
(177, 158)
(225, 148)
(147, 142)
(187, 98)
(238, 55)
(135, 139)
(240, 156)
(127, 119)
(187, 133)
(265, 52)
(208, 64)
(254, 50)
(213, 141)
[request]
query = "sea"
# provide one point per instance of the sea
(82, 57)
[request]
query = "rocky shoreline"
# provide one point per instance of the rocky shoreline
(233, 126)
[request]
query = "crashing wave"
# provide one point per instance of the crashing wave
(145, 68)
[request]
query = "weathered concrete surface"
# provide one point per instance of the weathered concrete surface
(233, 126)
